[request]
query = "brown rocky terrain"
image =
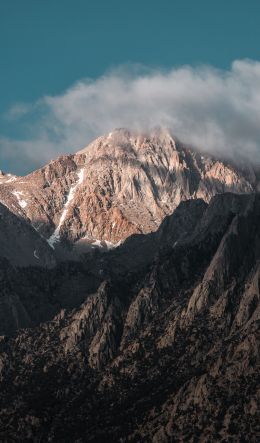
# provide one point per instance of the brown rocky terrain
(121, 184)
(163, 347)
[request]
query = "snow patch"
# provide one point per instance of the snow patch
(55, 237)
(18, 195)
(11, 179)
(97, 243)
(36, 255)
(103, 244)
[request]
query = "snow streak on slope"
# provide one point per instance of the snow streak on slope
(21, 202)
(55, 237)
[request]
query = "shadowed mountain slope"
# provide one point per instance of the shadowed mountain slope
(165, 350)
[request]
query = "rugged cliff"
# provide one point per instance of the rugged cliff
(166, 348)
(121, 184)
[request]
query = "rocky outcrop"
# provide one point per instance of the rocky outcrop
(97, 324)
(167, 350)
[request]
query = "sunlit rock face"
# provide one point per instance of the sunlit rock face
(121, 184)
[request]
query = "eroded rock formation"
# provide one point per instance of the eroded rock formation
(165, 347)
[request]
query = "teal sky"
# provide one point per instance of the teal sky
(47, 45)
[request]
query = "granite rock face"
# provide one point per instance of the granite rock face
(163, 347)
(121, 184)
(129, 296)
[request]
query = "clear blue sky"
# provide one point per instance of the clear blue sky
(47, 45)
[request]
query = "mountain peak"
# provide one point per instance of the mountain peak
(130, 181)
(123, 136)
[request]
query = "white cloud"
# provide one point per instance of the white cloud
(217, 111)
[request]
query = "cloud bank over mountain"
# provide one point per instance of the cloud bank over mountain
(216, 111)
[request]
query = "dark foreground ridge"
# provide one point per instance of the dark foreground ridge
(155, 341)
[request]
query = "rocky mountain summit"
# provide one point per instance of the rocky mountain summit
(129, 296)
(121, 184)
(155, 341)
